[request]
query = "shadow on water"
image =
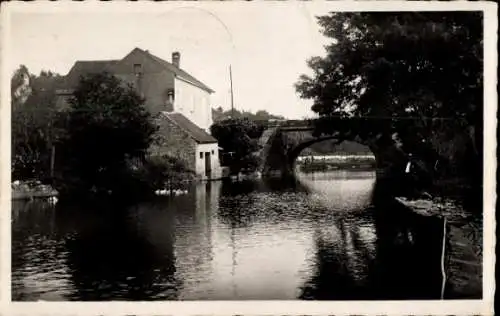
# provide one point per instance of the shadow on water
(406, 264)
(108, 251)
(82, 253)
(409, 248)
(113, 259)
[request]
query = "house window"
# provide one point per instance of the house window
(192, 104)
(201, 155)
(170, 96)
(212, 151)
(137, 69)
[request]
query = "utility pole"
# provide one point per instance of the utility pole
(232, 98)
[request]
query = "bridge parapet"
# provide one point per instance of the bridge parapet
(290, 124)
(285, 139)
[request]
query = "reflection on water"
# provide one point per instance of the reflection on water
(316, 237)
(341, 190)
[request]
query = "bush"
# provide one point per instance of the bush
(239, 140)
(163, 172)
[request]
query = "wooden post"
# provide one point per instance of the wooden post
(443, 252)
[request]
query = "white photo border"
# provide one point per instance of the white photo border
(446, 307)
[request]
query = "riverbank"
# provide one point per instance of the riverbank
(334, 166)
(463, 243)
(29, 190)
(34, 189)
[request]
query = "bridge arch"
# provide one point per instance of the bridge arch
(294, 152)
(282, 145)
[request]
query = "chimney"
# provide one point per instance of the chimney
(176, 59)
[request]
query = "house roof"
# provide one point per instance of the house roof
(178, 71)
(81, 68)
(198, 134)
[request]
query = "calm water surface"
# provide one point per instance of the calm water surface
(319, 237)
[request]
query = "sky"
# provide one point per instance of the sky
(267, 47)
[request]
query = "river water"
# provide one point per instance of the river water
(319, 237)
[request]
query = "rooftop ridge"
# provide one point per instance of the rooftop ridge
(177, 70)
(95, 60)
(85, 66)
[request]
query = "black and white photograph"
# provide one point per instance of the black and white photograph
(279, 151)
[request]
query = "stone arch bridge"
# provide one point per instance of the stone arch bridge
(282, 142)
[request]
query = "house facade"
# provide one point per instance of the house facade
(179, 137)
(180, 101)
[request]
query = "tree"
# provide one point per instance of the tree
(33, 118)
(108, 128)
(20, 86)
(418, 74)
(239, 140)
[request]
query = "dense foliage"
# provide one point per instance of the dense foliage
(239, 140)
(165, 172)
(415, 74)
(108, 132)
(33, 118)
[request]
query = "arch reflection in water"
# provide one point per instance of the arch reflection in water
(340, 190)
(345, 242)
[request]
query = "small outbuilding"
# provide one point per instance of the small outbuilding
(181, 138)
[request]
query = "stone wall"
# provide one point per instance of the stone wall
(171, 140)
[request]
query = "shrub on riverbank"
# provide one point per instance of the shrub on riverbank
(164, 172)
